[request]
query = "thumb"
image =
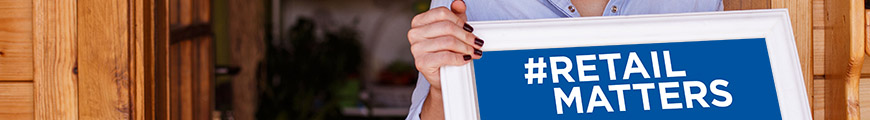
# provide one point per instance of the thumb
(458, 8)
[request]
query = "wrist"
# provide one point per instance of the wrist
(433, 107)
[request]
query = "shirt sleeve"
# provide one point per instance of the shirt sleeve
(439, 3)
(418, 97)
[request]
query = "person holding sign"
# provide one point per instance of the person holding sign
(441, 36)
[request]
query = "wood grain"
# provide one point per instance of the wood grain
(865, 103)
(844, 57)
(819, 99)
(182, 77)
(55, 60)
(104, 56)
(819, 109)
(16, 42)
(247, 50)
(203, 97)
(800, 13)
(160, 47)
(16, 100)
(866, 36)
(818, 37)
(144, 49)
(746, 4)
(191, 63)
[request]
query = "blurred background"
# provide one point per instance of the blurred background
(350, 59)
(292, 59)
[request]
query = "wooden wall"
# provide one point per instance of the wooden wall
(16, 59)
(821, 32)
(837, 78)
(191, 60)
(68, 59)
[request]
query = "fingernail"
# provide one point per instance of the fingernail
(467, 27)
(466, 57)
(478, 52)
(478, 41)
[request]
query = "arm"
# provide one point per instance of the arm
(439, 37)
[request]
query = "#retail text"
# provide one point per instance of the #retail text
(633, 65)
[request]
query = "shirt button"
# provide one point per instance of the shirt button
(571, 8)
(613, 9)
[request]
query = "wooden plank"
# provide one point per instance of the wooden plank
(55, 60)
(746, 4)
(16, 100)
(800, 12)
(203, 89)
(819, 97)
(161, 87)
(866, 68)
(755, 4)
(183, 76)
(139, 38)
(104, 59)
(247, 50)
(16, 42)
(145, 52)
(732, 4)
(819, 109)
(818, 37)
(844, 57)
(865, 98)
(866, 37)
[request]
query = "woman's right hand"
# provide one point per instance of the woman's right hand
(441, 37)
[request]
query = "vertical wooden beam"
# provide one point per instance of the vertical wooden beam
(205, 66)
(55, 79)
(161, 106)
(145, 52)
(247, 50)
(844, 56)
(800, 13)
(866, 32)
(104, 59)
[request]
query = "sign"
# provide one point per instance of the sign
(720, 65)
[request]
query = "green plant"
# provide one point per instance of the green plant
(302, 77)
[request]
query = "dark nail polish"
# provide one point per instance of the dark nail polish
(468, 27)
(478, 52)
(478, 41)
(466, 57)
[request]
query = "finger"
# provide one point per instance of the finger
(458, 8)
(444, 43)
(440, 29)
(445, 58)
(435, 15)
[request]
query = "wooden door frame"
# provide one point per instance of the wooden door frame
(100, 59)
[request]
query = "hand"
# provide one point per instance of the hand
(441, 37)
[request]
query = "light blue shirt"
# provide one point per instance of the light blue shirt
(487, 10)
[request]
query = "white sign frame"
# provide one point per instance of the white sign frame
(458, 85)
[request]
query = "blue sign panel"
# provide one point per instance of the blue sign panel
(716, 80)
